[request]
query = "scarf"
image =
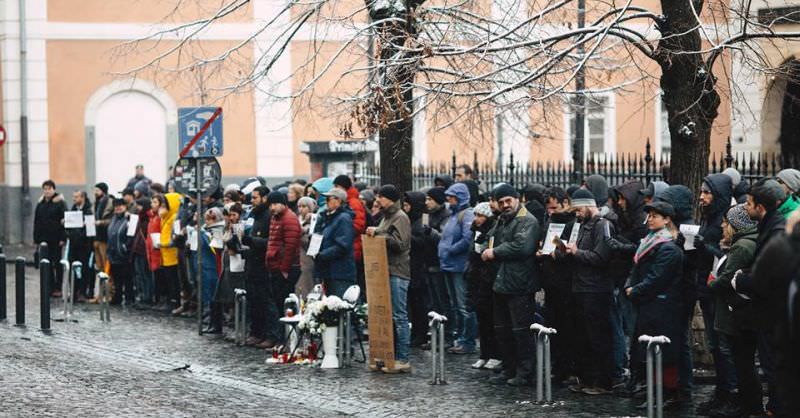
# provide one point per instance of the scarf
(651, 241)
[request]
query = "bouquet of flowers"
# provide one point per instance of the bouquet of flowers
(321, 314)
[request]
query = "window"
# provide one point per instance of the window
(599, 125)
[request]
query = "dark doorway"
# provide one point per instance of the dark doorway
(789, 138)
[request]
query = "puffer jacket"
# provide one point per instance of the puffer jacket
(359, 222)
(456, 238)
(118, 250)
(47, 226)
(335, 261)
(732, 313)
(283, 247)
(396, 228)
(514, 239)
(169, 254)
(721, 187)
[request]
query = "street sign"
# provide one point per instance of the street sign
(200, 131)
(185, 175)
(2, 135)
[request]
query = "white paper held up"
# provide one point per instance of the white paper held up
(314, 245)
(88, 220)
(73, 219)
(689, 232)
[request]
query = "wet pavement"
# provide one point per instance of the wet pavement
(145, 364)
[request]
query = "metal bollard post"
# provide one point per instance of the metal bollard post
(66, 288)
(340, 339)
(654, 374)
(19, 288)
(3, 307)
(76, 273)
(544, 385)
(348, 338)
(43, 251)
(240, 316)
(105, 312)
(45, 271)
(437, 347)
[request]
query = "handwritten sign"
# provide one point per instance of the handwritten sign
(381, 328)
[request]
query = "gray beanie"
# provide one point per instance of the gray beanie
(791, 178)
(738, 218)
(734, 174)
(307, 201)
(583, 198)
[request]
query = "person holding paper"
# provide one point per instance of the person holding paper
(119, 255)
(80, 246)
(152, 240)
(48, 227)
(306, 208)
(334, 264)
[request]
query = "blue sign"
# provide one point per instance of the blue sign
(194, 126)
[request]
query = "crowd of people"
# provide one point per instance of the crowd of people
(603, 265)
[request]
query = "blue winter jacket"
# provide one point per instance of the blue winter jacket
(335, 259)
(456, 238)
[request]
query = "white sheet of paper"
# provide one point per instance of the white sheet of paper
(553, 230)
(176, 227)
(313, 223)
(88, 220)
(689, 232)
(155, 237)
(73, 219)
(573, 236)
(237, 263)
(314, 245)
(191, 234)
(133, 221)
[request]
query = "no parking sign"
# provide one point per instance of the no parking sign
(2, 135)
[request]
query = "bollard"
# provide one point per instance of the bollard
(20, 290)
(45, 273)
(543, 362)
(654, 352)
(437, 347)
(3, 312)
(104, 296)
(43, 251)
(66, 288)
(343, 337)
(348, 337)
(76, 274)
(240, 316)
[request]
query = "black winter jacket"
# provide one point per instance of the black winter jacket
(47, 226)
(77, 236)
(682, 199)
(711, 228)
(256, 242)
(515, 244)
(557, 274)
(590, 263)
(436, 222)
(630, 229)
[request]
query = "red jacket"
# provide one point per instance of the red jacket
(359, 220)
(153, 254)
(283, 247)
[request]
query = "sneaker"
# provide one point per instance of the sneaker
(596, 390)
(479, 364)
(399, 367)
(520, 381)
(493, 364)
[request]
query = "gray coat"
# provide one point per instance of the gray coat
(514, 242)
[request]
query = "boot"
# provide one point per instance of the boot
(705, 407)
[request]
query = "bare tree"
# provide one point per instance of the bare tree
(472, 60)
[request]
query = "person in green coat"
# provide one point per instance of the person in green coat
(789, 179)
(733, 313)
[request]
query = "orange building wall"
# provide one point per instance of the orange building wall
(126, 11)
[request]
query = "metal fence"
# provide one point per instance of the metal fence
(616, 168)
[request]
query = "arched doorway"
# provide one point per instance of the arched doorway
(129, 122)
(780, 127)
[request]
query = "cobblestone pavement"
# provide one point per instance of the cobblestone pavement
(149, 364)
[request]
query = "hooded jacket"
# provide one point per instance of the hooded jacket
(169, 254)
(47, 226)
(396, 228)
(598, 185)
(443, 181)
(734, 313)
(682, 200)
(514, 238)
(359, 222)
(418, 237)
(335, 259)
(721, 187)
(457, 233)
(630, 227)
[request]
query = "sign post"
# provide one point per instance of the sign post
(200, 137)
(379, 308)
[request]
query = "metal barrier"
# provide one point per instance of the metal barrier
(344, 338)
(3, 306)
(45, 273)
(654, 350)
(543, 362)
(104, 295)
(437, 347)
(19, 288)
(240, 316)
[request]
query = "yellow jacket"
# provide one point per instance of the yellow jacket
(169, 255)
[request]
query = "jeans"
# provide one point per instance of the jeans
(618, 336)
(720, 350)
(466, 323)
(279, 290)
(400, 317)
(441, 301)
(144, 278)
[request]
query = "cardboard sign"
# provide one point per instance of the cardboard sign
(379, 308)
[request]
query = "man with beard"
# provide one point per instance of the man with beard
(283, 262)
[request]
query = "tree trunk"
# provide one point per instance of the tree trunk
(396, 148)
(689, 93)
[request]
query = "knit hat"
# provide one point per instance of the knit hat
(504, 190)
(734, 174)
(791, 178)
(661, 207)
(232, 187)
(483, 209)
(143, 187)
(390, 192)
(368, 196)
(103, 187)
(775, 190)
(738, 218)
(583, 198)
(307, 201)
(276, 197)
(437, 194)
(343, 181)
(337, 193)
